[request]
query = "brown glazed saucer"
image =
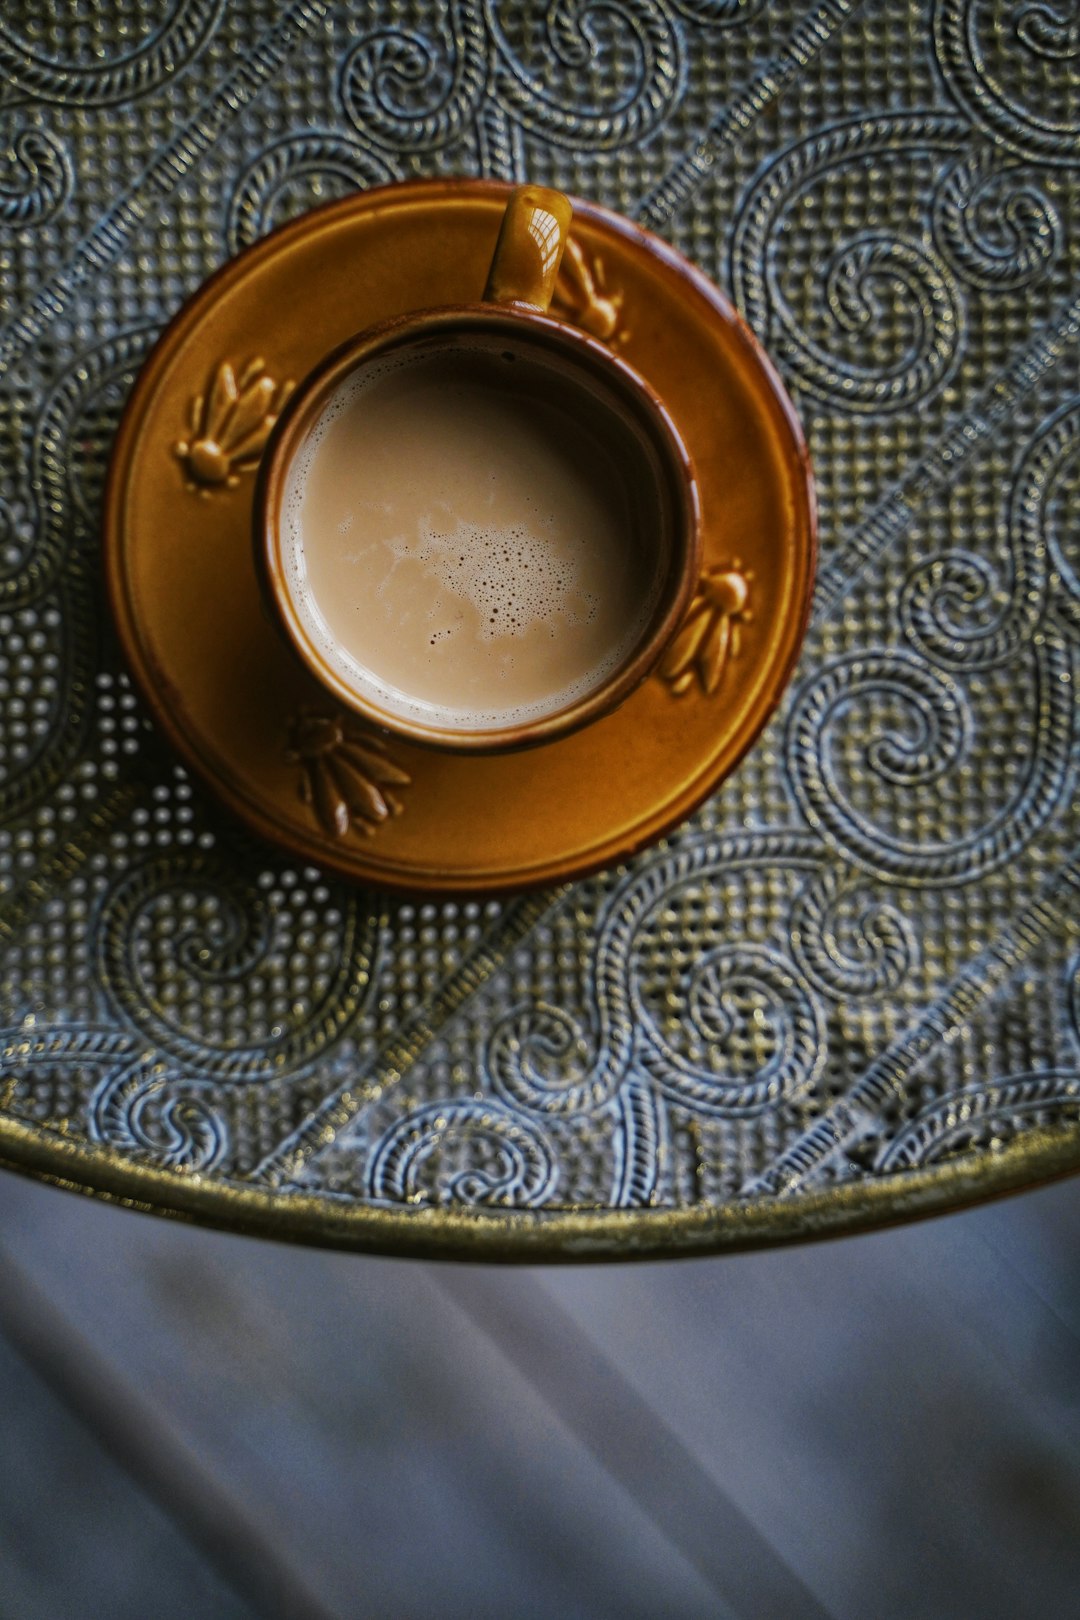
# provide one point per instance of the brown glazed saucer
(240, 709)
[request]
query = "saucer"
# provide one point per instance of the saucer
(243, 713)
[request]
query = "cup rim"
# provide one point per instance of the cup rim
(289, 432)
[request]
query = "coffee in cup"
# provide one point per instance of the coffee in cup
(477, 525)
(469, 543)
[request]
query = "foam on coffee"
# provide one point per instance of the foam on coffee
(459, 546)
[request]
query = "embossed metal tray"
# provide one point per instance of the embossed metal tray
(848, 991)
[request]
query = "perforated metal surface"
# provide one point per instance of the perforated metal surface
(860, 959)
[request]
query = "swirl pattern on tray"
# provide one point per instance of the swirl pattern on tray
(1018, 82)
(36, 178)
(123, 75)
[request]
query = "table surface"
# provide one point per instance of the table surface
(849, 989)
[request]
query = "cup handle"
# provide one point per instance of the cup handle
(530, 248)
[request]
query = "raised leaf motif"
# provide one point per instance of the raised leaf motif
(582, 294)
(710, 633)
(229, 425)
(347, 776)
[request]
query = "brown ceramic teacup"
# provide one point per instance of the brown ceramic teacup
(477, 526)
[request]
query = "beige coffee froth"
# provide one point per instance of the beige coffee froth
(468, 542)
